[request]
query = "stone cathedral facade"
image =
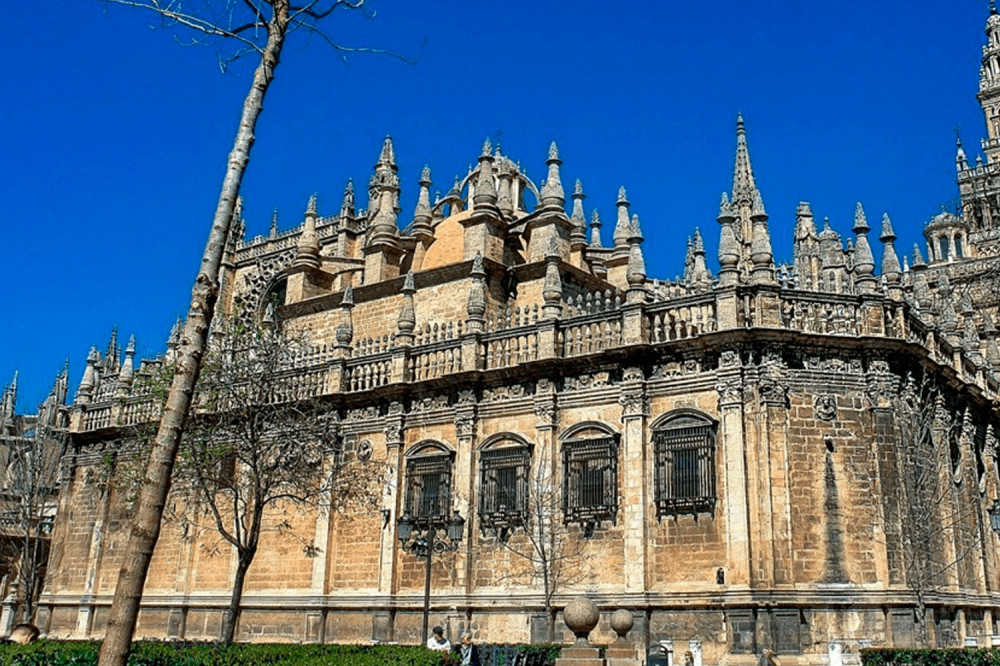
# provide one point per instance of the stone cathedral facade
(768, 456)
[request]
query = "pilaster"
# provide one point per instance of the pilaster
(729, 385)
(466, 422)
(391, 498)
(635, 412)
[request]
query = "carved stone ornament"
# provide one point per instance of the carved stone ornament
(730, 390)
(730, 358)
(634, 403)
(365, 450)
(825, 407)
(466, 397)
(502, 393)
(465, 426)
(363, 414)
(395, 408)
(429, 404)
(393, 431)
(633, 375)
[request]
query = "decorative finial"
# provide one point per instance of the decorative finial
(311, 207)
(487, 148)
(348, 298)
(274, 224)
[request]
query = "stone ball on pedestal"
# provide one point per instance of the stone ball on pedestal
(581, 617)
(622, 622)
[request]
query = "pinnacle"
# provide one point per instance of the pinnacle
(918, 258)
(387, 157)
(743, 180)
(860, 222)
(724, 210)
(487, 147)
(348, 298)
(408, 287)
(698, 244)
(622, 198)
(578, 189)
(887, 233)
(758, 205)
(311, 207)
(553, 152)
(425, 175)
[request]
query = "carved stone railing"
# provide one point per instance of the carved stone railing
(602, 322)
(435, 360)
(682, 319)
(511, 347)
(368, 372)
(590, 334)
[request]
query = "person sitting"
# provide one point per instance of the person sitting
(467, 652)
(437, 641)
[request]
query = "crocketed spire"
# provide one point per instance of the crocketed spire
(622, 224)
(383, 205)
(486, 193)
(347, 203)
(595, 229)
(422, 214)
(760, 244)
(552, 194)
(578, 236)
(864, 261)
(273, 233)
(890, 261)
(743, 182)
(635, 271)
(307, 250)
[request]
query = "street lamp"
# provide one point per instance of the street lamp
(994, 512)
(419, 536)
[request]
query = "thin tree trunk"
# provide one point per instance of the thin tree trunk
(232, 615)
(145, 527)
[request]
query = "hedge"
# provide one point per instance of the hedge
(942, 657)
(70, 653)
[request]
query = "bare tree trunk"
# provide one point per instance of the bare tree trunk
(145, 527)
(232, 615)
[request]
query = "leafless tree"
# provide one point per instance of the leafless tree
(936, 535)
(27, 507)
(540, 537)
(258, 28)
(257, 446)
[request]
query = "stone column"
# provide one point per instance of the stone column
(772, 394)
(84, 619)
(729, 384)
(635, 410)
(464, 474)
(390, 498)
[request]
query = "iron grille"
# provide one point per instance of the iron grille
(503, 486)
(685, 470)
(428, 487)
(590, 480)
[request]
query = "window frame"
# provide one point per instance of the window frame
(577, 453)
(492, 514)
(439, 463)
(677, 493)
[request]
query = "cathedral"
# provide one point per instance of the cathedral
(753, 456)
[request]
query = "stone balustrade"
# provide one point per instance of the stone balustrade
(592, 324)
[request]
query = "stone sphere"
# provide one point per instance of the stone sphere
(581, 617)
(622, 622)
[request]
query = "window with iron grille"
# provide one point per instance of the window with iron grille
(503, 486)
(685, 466)
(590, 480)
(428, 487)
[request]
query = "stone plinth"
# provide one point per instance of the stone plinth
(621, 652)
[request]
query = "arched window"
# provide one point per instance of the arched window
(504, 467)
(684, 447)
(428, 483)
(590, 474)
(943, 245)
(959, 250)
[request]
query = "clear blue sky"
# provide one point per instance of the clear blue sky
(113, 137)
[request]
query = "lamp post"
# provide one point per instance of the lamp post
(419, 536)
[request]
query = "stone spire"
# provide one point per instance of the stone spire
(383, 191)
(8, 402)
(347, 203)
(578, 236)
(636, 272)
(112, 355)
(918, 258)
(476, 305)
(760, 244)
(743, 181)
(864, 261)
(407, 319)
(595, 230)
(961, 162)
(307, 250)
(505, 179)
(700, 274)
(622, 225)
(805, 248)
(890, 261)
(127, 374)
(273, 233)
(552, 288)
(345, 327)
(486, 193)
(552, 194)
(729, 248)
(422, 214)
(89, 381)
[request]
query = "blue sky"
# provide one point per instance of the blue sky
(113, 137)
